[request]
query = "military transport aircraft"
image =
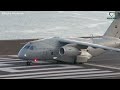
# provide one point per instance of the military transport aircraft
(72, 50)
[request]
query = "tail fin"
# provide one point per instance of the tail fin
(114, 28)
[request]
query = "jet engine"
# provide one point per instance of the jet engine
(69, 50)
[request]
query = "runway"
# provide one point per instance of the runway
(11, 68)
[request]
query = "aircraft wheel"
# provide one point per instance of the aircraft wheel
(28, 63)
(57, 62)
(81, 63)
(74, 62)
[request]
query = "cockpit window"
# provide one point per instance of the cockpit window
(31, 48)
(27, 47)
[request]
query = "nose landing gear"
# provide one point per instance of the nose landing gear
(28, 63)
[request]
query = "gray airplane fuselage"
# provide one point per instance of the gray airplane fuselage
(48, 49)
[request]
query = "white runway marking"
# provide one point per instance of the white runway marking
(19, 60)
(8, 59)
(47, 70)
(11, 61)
(83, 76)
(3, 64)
(103, 66)
(58, 74)
(56, 68)
(8, 70)
(40, 66)
(101, 77)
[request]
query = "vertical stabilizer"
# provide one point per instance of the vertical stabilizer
(114, 28)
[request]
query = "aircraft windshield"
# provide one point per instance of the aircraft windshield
(29, 46)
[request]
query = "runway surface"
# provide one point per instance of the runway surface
(99, 68)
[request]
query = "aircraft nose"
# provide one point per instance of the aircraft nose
(22, 54)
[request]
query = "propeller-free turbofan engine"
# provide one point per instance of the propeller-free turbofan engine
(81, 55)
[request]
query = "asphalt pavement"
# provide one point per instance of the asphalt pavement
(105, 66)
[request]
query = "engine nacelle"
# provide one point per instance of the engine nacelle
(69, 51)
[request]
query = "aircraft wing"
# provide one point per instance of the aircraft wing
(81, 43)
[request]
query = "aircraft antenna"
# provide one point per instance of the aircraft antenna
(91, 36)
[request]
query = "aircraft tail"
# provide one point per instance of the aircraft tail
(114, 28)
